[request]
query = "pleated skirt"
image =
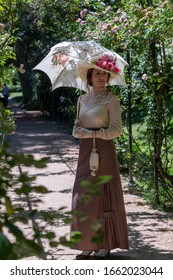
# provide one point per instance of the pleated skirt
(101, 217)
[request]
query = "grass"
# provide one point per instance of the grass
(16, 97)
(145, 183)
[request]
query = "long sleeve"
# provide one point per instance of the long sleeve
(80, 132)
(115, 124)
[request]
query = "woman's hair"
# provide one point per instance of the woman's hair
(89, 76)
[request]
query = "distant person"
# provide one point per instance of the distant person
(6, 94)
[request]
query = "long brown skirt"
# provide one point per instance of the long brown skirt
(106, 208)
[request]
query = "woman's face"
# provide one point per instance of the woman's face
(99, 78)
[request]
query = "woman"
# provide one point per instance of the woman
(98, 118)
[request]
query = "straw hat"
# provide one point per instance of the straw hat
(105, 63)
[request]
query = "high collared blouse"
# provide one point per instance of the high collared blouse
(100, 112)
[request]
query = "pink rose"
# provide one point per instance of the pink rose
(82, 22)
(105, 26)
(103, 64)
(83, 12)
(108, 9)
(108, 63)
(115, 28)
(110, 66)
(144, 77)
(104, 57)
(79, 20)
(122, 18)
(116, 69)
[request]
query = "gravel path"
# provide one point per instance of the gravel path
(150, 231)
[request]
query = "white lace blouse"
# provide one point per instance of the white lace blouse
(98, 111)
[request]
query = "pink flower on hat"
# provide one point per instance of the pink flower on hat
(107, 62)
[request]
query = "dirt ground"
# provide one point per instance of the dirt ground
(150, 231)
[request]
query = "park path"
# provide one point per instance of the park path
(150, 231)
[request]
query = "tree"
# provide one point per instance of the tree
(37, 31)
(7, 39)
(37, 26)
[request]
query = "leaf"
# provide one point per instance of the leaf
(25, 189)
(2, 192)
(102, 179)
(50, 235)
(53, 244)
(25, 178)
(85, 184)
(68, 220)
(33, 213)
(76, 236)
(91, 188)
(9, 207)
(96, 225)
(98, 238)
(5, 247)
(63, 241)
(32, 244)
(85, 198)
(42, 163)
(81, 215)
(40, 189)
(15, 230)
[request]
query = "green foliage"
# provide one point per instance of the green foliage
(91, 189)
(7, 124)
(5, 247)
(21, 186)
(32, 25)
(7, 38)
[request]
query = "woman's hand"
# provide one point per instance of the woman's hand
(80, 132)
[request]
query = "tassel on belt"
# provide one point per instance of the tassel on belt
(94, 156)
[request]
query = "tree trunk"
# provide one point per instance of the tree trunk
(26, 77)
(157, 148)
